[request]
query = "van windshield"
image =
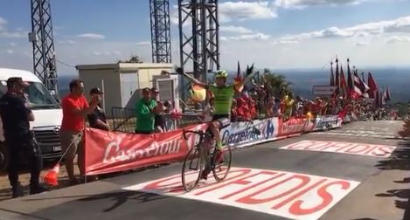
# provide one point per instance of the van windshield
(38, 96)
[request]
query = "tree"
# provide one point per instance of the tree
(277, 84)
(132, 59)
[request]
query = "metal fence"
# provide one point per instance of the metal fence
(125, 120)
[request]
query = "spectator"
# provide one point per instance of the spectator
(169, 123)
(75, 109)
(234, 111)
(97, 118)
(15, 113)
(159, 118)
(270, 107)
(276, 108)
(146, 108)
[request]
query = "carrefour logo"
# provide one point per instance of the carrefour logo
(249, 132)
(270, 129)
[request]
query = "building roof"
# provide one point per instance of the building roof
(125, 66)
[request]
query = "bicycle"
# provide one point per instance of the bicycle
(202, 158)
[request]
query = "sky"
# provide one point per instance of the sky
(276, 34)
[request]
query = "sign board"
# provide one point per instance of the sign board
(323, 90)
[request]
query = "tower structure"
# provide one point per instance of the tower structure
(41, 36)
(160, 31)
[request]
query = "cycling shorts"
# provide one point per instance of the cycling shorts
(223, 120)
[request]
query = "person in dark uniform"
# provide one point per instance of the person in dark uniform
(16, 115)
(97, 118)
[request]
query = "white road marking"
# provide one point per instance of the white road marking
(286, 194)
(361, 149)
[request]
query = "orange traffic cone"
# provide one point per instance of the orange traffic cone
(51, 177)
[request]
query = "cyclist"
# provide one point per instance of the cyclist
(223, 97)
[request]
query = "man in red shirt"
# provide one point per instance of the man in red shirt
(75, 110)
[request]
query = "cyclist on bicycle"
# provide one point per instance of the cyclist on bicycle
(223, 97)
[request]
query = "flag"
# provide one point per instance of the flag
(363, 79)
(372, 86)
(357, 92)
(332, 77)
(343, 84)
(381, 101)
(364, 87)
(349, 77)
(238, 81)
(238, 73)
(337, 78)
(377, 99)
(388, 95)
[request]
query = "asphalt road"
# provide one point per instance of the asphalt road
(303, 184)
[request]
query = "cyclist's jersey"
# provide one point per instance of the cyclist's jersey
(223, 99)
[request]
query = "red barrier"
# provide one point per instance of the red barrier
(107, 152)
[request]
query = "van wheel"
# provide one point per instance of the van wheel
(4, 157)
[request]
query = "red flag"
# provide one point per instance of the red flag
(356, 92)
(332, 77)
(343, 84)
(372, 86)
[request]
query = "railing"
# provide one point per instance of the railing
(125, 120)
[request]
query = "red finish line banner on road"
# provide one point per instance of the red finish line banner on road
(343, 147)
(291, 195)
(107, 152)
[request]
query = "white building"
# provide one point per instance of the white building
(122, 82)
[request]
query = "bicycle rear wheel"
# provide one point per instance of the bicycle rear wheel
(221, 168)
(192, 169)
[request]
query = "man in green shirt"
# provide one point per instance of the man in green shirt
(145, 112)
(223, 98)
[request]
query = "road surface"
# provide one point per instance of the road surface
(357, 172)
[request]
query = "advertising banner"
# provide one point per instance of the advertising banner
(294, 126)
(239, 134)
(107, 152)
(327, 122)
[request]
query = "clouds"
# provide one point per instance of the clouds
(235, 29)
(91, 36)
(241, 10)
(5, 33)
(299, 4)
(144, 43)
(398, 39)
(399, 25)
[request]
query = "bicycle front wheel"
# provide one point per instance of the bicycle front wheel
(192, 169)
(221, 168)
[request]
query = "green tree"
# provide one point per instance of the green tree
(277, 84)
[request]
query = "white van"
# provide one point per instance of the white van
(47, 113)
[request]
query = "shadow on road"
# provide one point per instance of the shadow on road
(119, 198)
(122, 197)
(400, 160)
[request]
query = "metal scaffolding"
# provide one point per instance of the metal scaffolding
(199, 45)
(41, 36)
(160, 31)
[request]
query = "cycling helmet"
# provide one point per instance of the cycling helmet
(221, 73)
